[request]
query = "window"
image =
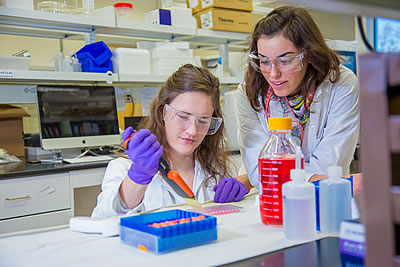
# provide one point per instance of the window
(387, 35)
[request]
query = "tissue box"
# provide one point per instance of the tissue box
(166, 231)
(131, 61)
(158, 16)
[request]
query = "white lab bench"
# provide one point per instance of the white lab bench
(240, 235)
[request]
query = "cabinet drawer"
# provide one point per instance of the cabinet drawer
(33, 195)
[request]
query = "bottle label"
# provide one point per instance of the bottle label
(273, 173)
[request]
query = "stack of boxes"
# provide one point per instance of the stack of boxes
(223, 15)
(167, 57)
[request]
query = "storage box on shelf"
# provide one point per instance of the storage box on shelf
(14, 63)
(95, 57)
(224, 20)
(131, 61)
(199, 5)
(182, 17)
(166, 58)
(158, 16)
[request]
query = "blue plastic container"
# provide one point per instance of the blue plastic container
(98, 52)
(135, 231)
(316, 183)
(89, 66)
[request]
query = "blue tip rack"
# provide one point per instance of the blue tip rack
(138, 231)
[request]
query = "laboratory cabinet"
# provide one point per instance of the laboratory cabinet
(44, 196)
(34, 195)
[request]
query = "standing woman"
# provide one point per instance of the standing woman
(186, 127)
(293, 73)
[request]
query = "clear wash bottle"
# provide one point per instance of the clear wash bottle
(334, 201)
(299, 215)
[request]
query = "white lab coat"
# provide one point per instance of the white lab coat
(158, 193)
(334, 119)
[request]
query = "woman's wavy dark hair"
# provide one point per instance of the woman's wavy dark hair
(297, 25)
(211, 153)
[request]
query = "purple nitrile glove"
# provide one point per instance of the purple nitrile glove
(228, 190)
(144, 152)
(127, 132)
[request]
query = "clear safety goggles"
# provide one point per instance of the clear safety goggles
(183, 120)
(288, 64)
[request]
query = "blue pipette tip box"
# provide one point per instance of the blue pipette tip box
(137, 232)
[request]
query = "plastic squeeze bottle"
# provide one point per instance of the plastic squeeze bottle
(299, 215)
(275, 161)
(334, 200)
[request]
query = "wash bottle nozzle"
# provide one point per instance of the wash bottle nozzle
(297, 175)
(299, 156)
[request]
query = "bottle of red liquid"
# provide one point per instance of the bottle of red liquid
(276, 160)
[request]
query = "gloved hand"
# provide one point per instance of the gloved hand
(144, 151)
(228, 190)
(127, 132)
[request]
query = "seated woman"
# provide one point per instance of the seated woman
(186, 128)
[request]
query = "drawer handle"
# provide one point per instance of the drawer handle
(19, 198)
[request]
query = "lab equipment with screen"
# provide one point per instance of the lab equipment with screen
(77, 116)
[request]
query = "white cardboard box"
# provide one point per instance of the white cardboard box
(14, 63)
(131, 61)
(168, 52)
(158, 16)
(166, 66)
(24, 4)
(182, 17)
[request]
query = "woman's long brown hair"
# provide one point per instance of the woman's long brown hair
(297, 25)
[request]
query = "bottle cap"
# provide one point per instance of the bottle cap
(298, 175)
(128, 5)
(280, 123)
(335, 171)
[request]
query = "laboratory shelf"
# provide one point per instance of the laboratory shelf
(218, 37)
(52, 76)
(144, 30)
(158, 79)
(100, 19)
(78, 77)
(104, 25)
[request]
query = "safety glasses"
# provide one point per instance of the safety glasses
(183, 120)
(287, 64)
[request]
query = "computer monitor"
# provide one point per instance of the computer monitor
(77, 116)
